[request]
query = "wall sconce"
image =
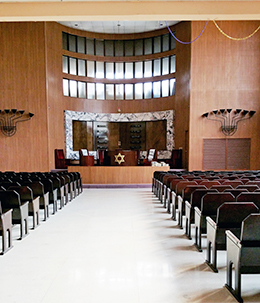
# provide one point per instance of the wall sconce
(9, 118)
(229, 119)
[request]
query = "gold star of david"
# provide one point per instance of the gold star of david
(119, 158)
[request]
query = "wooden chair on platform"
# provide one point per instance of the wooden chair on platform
(176, 159)
(243, 253)
(151, 156)
(85, 159)
(60, 161)
(229, 217)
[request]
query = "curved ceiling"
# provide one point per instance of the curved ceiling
(117, 27)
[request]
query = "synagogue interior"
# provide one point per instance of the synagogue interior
(129, 110)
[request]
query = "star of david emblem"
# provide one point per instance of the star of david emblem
(119, 158)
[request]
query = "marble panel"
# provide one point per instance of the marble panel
(69, 116)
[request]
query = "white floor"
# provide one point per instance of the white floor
(113, 246)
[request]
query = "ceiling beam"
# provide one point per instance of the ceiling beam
(129, 10)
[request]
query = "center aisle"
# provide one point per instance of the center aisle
(109, 245)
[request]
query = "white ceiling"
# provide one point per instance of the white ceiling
(117, 27)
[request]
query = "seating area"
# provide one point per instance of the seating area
(26, 194)
(223, 209)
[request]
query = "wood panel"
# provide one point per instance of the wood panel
(238, 154)
(182, 96)
(156, 135)
(55, 103)
(226, 154)
(116, 175)
(80, 135)
(214, 154)
(224, 74)
(23, 87)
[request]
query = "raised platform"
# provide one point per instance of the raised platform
(117, 175)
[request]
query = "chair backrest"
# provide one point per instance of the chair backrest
(221, 188)
(26, 193)
(233, 213)
(151, 154)
(174, 183)
(249, 197)
(189, 189)
(208, 183)
(166, 178)
(235, 192)
(196, 196)
(83, 152)
(37, 187)
(211, 202)
(59, 159)
(182, 184)
(250, 230)
(9, 199)
(254, 182)
(85, 159)
(233, 183)
(249, 187)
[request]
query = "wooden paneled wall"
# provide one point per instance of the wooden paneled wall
(224, 74)
(23, 86)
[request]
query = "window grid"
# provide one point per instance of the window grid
(170, 66)
(79, 89)
(145, 46)
(75, 44)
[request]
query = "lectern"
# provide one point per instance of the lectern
(123, 157)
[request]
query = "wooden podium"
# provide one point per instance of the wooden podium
(123, 158)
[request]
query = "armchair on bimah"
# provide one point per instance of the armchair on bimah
(175, 160)
(60, 161)
(85, 159)
(151, 156)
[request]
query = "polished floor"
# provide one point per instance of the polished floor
(113, 246)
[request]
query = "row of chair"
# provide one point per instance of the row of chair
(24, 194)
(224, 206)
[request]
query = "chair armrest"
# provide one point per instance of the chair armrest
(180, 200)
(25, 209)
(233, 239)
(187, 208)
(187, 205)
(211, 223)
(197, 211)
(36, 203)
(7, 216)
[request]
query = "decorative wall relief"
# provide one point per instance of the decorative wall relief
(168, 115)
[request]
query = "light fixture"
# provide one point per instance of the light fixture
(9, 118)
(229, 118)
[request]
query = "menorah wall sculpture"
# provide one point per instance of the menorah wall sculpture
(9, 119)
(229, 118)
